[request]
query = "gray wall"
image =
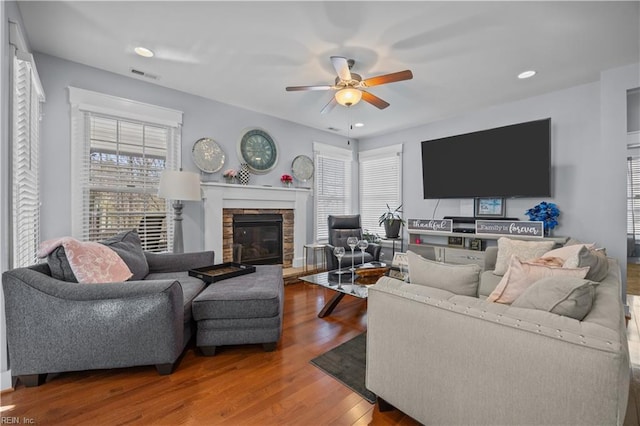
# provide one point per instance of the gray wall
(588, 156)
(202, 118)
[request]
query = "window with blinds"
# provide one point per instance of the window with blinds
(119, 149)
(332, 179)
(125, 162)
(25, 200)
(380, 184)
(633, 197)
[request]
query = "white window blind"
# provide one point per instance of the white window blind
(119, 159)
(633, 197)
(332, 179)
(25, 200)
(380, 184)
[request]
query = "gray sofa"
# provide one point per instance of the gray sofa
(56, 326)
(449, 359)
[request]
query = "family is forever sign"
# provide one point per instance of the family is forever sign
(441, 225)
(506, 227)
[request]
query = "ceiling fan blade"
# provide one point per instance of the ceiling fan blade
(302, 88)
(328, 107)
(374, 100)
(342, 67)
(388, 78)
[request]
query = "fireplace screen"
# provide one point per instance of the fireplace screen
(257, 238)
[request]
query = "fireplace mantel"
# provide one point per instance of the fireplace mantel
(219, 196)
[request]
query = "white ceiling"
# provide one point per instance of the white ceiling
(464, 55)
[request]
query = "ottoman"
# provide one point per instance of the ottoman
(241, 310)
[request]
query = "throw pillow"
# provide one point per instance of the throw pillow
(596, 261)
(566, 252)
(89, 262)
(459, 279)
(127, 245)
(524, 250)
(521, 275)
(568, 296)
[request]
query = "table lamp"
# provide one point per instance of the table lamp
(179, 186)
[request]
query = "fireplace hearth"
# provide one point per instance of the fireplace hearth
(257, 239)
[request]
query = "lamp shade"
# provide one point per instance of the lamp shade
(179, 185)
(348, 96)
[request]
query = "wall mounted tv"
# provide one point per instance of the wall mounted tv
(509, 161)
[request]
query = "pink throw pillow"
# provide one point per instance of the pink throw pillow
(521, 275)
(90, 262)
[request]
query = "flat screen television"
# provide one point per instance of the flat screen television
(505, 162)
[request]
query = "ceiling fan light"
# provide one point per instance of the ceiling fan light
(348, 96)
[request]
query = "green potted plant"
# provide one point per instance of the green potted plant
(392, 221)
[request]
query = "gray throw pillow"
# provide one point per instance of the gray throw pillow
(459, 279)
(127, 245)
(596, 260)
(567, 296)
(60, 267)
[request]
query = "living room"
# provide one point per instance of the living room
(589, 123)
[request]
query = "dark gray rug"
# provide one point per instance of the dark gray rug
(347, 364)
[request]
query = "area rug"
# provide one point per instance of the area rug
(347, 364)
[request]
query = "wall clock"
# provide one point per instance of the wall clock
(208, 155)
(302, 168)
(258, 150)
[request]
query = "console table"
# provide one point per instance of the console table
(427, 242)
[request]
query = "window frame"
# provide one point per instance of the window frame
(85, 102)
(369, 218)
(333, 153)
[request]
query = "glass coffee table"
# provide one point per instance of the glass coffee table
(343, 282)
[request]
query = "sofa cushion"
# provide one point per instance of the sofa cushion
(521, 275)
(596, 260)
(191, 287)
(525, 250)
(568, 296)
(127, 245)
(458, 279)
(84, 262)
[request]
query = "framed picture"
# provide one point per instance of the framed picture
(489, 207)
(456, 241)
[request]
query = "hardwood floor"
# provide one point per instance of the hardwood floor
(241, 385)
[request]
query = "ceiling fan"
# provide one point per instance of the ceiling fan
(350, 86)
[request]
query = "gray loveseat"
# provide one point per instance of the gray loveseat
(56, 326)
(445, 358)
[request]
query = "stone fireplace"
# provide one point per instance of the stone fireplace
(222, 201)
(258, 236)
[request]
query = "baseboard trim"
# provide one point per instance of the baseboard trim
(5, 381)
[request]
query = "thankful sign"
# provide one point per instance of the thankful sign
(506, 227)
(440, 225)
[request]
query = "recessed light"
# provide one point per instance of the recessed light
(358, 124)
(526, 74)
(144, 52)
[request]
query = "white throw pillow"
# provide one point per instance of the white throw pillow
(524, 250)
(459, 279)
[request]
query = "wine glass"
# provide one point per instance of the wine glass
(339, 252)
(352, 242)
(362, 245)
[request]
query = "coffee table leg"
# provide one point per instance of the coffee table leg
(331, 305)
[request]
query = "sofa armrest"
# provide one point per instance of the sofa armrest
(374, 249)
(55, 326)
(178, 262)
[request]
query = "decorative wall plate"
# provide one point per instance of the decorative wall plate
(208, 155)
(258, 150)
(302, 168)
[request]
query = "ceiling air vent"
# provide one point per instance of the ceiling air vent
(143, 74)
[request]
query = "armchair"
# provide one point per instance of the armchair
(340, 228)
